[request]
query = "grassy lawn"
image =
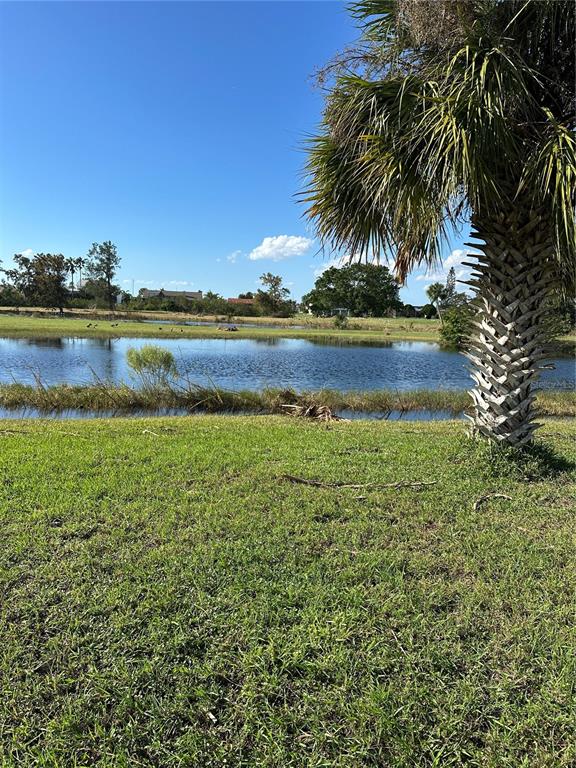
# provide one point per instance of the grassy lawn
(364, 330)
(170, 599)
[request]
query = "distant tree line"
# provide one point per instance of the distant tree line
(49, 279)
(56, 282)
(358, 290)
(271, 300)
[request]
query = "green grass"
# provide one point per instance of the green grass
(367, 331)
(170, 600)
(191, 397)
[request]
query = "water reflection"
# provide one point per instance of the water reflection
(59, 342)
(49, 341)
(75, 413)
(330, 341)
(268, 341)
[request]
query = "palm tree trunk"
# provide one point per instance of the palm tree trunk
(512, 280)
(439, 313)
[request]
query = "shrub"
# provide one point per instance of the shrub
(152, 366)
(429, 312)
(456, 326)
(340, 321)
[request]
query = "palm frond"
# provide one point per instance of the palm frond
(402, 156)
(550, 176)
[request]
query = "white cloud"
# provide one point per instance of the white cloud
(342, 261)
(281, 247)
(455, 260)
(179, 282)
(233, 257)
(27, 252)
(337, 261)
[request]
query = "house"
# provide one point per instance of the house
(245, 302)
(145, 293)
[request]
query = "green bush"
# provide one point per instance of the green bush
(340, 321)
(152, 366)
(456, 326)
(429, 312)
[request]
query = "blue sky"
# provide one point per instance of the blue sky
(176, 130)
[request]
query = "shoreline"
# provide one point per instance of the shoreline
(118, 400)
(15, 326)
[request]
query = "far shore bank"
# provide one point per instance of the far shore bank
(31, 323)
(298, 320)
(156, 325)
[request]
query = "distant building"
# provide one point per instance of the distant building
(145, 293)
(334, 312)
(246, 302)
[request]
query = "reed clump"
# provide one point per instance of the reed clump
(188, 397)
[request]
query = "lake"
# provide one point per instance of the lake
(255, 364)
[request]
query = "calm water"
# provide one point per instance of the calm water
(72, 413)
(251, 364)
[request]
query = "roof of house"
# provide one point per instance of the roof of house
(169, 294)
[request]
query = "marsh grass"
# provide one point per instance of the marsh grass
(185, 394)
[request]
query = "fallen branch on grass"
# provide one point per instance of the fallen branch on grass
(319, 484)
(478, 503)
(14, 431)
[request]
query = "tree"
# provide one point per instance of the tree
(429, 312)
(436, 293)
(275, 300)
(445, 297)
(450, 283)
(41, 279)
(561, 318)
(456, 326)
(71, 269)
(363, 289)
(214, 304)
(467, 119)
(80, 265)
(101, 266)
(10, 296)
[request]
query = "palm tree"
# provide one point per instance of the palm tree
(71, 267)
(436, 293)
(80, 264)
(453, 111)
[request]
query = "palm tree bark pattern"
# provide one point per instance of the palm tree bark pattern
(512, 279)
